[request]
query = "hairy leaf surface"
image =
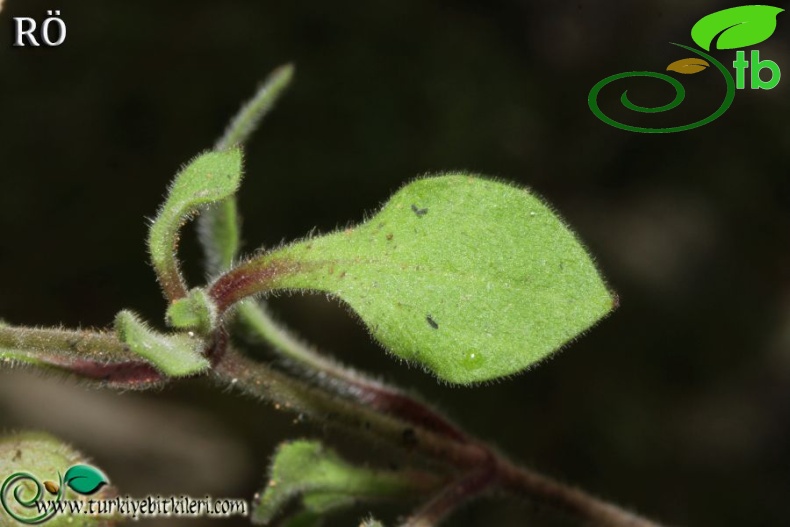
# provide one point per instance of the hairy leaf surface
(472, 278)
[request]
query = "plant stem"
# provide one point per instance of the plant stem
(523, 482)
(285, 391)
(293, 394)
(450, 498)
(89, 355)
(340, 379)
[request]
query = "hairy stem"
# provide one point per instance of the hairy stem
(525, 483)
(340, 379)
(88, 355)
(451, 497)
(258, 379)
(293, 394)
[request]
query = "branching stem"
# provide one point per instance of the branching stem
(451, 497)
(489, 470)
(285, 391)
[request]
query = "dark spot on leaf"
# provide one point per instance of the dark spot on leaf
(343, 274)
(17, 455)
(409, 438)
(418, 211)
(431, 322)
(389, 237)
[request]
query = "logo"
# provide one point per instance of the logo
(22, 492)
(733, 28)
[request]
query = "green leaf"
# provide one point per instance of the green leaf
(219, 232)
(472, 278)
(740, 27)
(175, 355)
(208, 178)
(85, 479)
(323, 482)
(218, 226)
(249, 117)
(196, 311)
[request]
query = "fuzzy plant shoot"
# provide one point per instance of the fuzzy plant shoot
(471, 278)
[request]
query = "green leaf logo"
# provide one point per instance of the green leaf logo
(85, 479)
(737, 27)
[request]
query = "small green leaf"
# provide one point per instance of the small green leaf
(175, 355)
(472, 278)
(219, 232)
(85, 479)
(325, 482)
(196, 311)
(208, 178)
(739, 27)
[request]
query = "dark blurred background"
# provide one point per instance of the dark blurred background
(678, 405)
